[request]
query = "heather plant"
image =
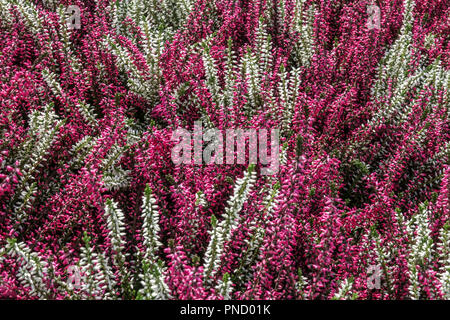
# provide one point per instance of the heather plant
(92, 205)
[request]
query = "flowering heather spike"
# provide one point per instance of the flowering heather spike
(344, 288)
(31, 15)
(303, 23)
(116, 227)
(32, 270)
(153, 284)
(301, 284)
(44, 127)
(153, 271)
(224, 286)
(421, 248)
(5, 13)
(256, 236)
(263, 48)
(383, 257)
(444, 254)
(212, 81)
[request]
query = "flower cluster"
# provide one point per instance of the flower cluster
(93, 207)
